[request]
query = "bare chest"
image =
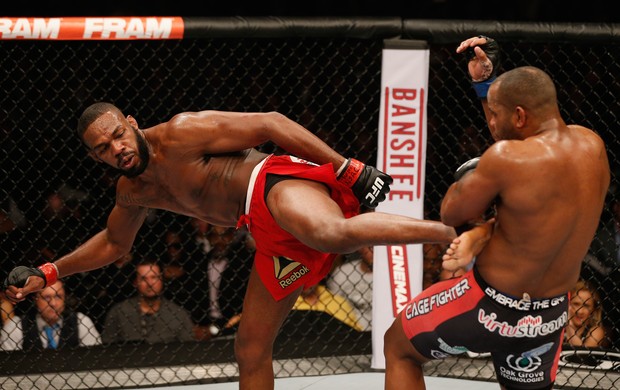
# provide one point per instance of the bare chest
(213, 191)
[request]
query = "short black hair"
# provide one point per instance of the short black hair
(90, 114)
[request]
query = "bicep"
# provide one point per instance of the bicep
(469, 198)
(215, 132)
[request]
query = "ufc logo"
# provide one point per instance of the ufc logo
(377, 186)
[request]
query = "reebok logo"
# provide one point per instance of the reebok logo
(287, 271)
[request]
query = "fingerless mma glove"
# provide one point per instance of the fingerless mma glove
(368, 184)
(491, 48)
(466, 167)
(19, 275)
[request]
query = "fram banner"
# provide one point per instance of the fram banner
(397, 274)
(92, 28)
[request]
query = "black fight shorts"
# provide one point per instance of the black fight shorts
(523, 335)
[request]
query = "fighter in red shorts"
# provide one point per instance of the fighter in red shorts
(283, 262)
(203, 165)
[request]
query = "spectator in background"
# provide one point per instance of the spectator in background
(61, 224)
(602, 265)
(585, 318)
(433, 271)
(215, 243)
(7, 310)
(175, 257)
(183, 270)
(95, 292)
(352, 278)
(53, 326)
(319, 298)
(11, 217)
(606, 243)
(234, 282)
(14, 225)
(148, 317)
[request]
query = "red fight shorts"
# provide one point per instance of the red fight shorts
(282, 261)
(523, 335)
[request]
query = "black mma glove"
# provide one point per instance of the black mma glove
(466, 167)
(491, 49)
(458, 174)
(19, 275)
(369, 184)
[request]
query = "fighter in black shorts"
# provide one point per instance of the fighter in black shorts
(523, 335)
(546, 182)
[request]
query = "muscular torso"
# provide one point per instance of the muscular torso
(547, 214)
(209, 187)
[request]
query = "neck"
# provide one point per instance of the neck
(150, 305)
(552, 124)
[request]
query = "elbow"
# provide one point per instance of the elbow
(447, 215)
(274, 116)
(117, 249)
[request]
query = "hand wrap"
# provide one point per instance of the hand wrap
(19, 275)
(369, 184)
(491, 66)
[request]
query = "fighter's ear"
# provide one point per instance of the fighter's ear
(520, 117)
(132, 121)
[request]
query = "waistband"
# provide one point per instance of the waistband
(252, 182)
(526, 303)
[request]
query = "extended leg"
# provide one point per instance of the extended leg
(305, 209)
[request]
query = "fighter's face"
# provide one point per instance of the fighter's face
(116, 141)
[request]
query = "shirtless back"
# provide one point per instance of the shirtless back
(547, 181)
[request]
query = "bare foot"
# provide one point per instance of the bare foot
(466, 247)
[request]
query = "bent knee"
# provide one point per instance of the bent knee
(396, 345)
(249, 350)
(332, 237)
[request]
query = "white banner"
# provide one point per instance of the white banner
(397, 275)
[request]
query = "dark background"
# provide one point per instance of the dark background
(595, 11)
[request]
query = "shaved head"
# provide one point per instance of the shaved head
(528, 87)
(91, 113)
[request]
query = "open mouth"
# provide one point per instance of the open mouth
(126, 162)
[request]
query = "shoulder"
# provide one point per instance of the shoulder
(191, 119)
(215, 118)
(507, 154)
(84, 320)
(172, 305)
(593, 137)
(124, 305)
(12, 325)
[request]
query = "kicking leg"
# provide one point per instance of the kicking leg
(305, 209)
(465, 247)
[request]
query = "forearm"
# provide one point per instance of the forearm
(95, 253)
